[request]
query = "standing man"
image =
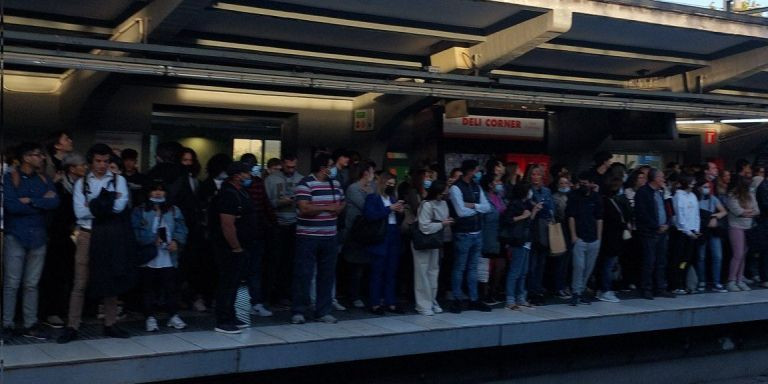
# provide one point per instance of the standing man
(239, 256)
(469, 202)
(319, 200)
(58, 144)
(29, 196)
(340, 169)
(585, 220)
(280, 187)
(265, 221)
(136, 180)
(89, 210)
(652, 227)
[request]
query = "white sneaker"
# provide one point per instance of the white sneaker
(199, 305)
(260, 310)
(732, 287)
(609, 296)
(437, 309)
(680, 292)
(338, 306)
(719, 288)
(747, 281)
(328, 319)
(743, 286)
(176, 322)
(358, 304)
(702, 287)
(151, 324)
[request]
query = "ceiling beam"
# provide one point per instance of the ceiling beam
(651, 15)
(506, 45)
(185, 13)
(622, 54)
(49, 24)
(446, 35)
(718, 73)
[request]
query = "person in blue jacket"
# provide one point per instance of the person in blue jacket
(29, 196)
(160, 226)
(383, 205)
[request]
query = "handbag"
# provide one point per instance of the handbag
(422, 241)
(368, 232)
(626, 234)
(556, 239)
(542, 232)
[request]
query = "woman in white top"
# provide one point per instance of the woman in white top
(433, 217)
(688, 223)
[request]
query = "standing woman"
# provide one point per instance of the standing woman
(688, 223)
(710, 204)
(378, 206)
(355, 254)
(433, 217)
(540, 245)
(518, 216)
(616, 222)
(491, 265)
(743, 209)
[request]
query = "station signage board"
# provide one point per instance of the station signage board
(363, 120)
(494, 127)
(710, 136)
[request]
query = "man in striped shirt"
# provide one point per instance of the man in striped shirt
(319, 200)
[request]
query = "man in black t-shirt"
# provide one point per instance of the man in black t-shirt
(237, 246)
(584, 211)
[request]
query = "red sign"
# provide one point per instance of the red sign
(493, 127)
(710, 136)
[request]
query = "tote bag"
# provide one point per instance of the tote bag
(556, 239)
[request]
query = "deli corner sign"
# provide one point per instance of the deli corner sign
(494, 127)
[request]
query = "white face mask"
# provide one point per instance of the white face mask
(705, 191)
(530, 195)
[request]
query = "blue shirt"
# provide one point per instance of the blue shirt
(26, 222)
(657, 196)
(544, 196)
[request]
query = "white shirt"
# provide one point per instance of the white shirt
(163, 258)
(82, 212)
(686, 212)
(391, 219)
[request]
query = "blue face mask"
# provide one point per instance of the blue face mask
(564, 189)
(256, 170)
(478, 177)
(246, 182)
(427, 184)
(499, 188)
(157, 200)
(334, 172)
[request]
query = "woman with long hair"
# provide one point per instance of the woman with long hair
(743, 209)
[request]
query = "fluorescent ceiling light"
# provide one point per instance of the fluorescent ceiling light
(695, 121)
(736, 121)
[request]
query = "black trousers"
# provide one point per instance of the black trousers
(654, 248)
(230, 266)
(159, 285)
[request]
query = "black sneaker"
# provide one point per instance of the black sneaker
(116, 332)
(666, 294)
(455, 306)
(584, 300)
(648, 295)
(395, 309)
(67, 335)
(36, 332)
(227, 328)
(479, 306)
(574, 300)
(241, 324)
(378, 311)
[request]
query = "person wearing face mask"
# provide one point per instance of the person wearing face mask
(492, 264)
(712, 212)
(585, 223)
(469, 203)
(560, 199)
(239, 250)
(687, 222)
(384, 205)
(160, 225)
(266, 221)
(280, 185)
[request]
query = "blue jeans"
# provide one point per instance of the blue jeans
(715, 245)
(254, 275)
(384, 269)
(518, 270)
(467, 248)
(314, 252)
(537, 265)
(608, 265)
(21, 265)
(584, 258)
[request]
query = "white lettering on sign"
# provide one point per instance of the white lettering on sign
(494, 127)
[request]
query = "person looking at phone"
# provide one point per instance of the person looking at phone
(160, 224)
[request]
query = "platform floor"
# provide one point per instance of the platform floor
(268, 345)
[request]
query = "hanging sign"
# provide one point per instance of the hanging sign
(494, 127)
